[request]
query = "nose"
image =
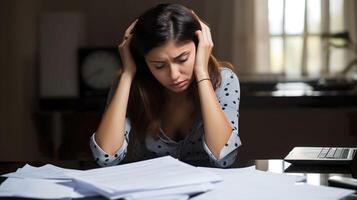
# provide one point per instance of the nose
(174, 72)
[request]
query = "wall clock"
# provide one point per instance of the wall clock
(97, 70)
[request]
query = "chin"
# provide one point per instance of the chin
(178, 90)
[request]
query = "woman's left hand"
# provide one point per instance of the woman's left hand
(203, 51)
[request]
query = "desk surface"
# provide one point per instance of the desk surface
(315, 175)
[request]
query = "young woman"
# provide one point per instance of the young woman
(172, 96)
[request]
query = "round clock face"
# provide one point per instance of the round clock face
(99, 69)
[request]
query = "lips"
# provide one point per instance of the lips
(179, 84)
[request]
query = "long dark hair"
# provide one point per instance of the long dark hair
(154, 28)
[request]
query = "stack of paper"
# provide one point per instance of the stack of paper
(46, 182)
(147, 179)
(248, 183)
(162, 178)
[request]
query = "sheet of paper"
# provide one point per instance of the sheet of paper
(27, 168)
(182, 190)
(255, 184)
(34, 188)
(164, 197)
(226, 173)
(229, 170)
(161, 178)
(158, 173)
(79, 191)
(45, 172)
(43, 189)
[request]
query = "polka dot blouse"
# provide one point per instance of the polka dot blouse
(193, 149)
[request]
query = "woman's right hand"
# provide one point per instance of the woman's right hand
(128, 62)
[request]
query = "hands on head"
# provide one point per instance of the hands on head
(129, 65)
(204, 49)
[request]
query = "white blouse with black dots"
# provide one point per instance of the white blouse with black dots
(193, 149)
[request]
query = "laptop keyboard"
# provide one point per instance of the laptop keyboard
(335, 153)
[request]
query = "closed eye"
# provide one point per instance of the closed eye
(183, 57)
(159, 66)
(182, 60)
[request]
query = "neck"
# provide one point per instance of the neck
(177, 97)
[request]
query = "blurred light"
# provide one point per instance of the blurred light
(294, 16)
(276, 166)
(313, 179)
(275, 16)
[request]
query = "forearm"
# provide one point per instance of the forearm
(110, 133)
(217, 128)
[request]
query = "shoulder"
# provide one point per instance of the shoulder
(228, 79)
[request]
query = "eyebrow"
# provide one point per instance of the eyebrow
(182, 54)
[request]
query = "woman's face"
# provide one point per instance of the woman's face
(172, 64)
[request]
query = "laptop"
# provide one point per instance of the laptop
(321, 155)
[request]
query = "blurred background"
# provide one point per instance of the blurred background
(296, 60)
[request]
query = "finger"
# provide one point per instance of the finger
(130, 28)
(126, 36)
(209, 36)
(205, 34)
(126, 39)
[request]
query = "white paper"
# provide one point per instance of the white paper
(229, 170)
(42, 189)
(159, 179)
(45, 172)
(79, 191)
(159, 173)
(255, 184)
(34, 188)
(165, 197)
(183, 190)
